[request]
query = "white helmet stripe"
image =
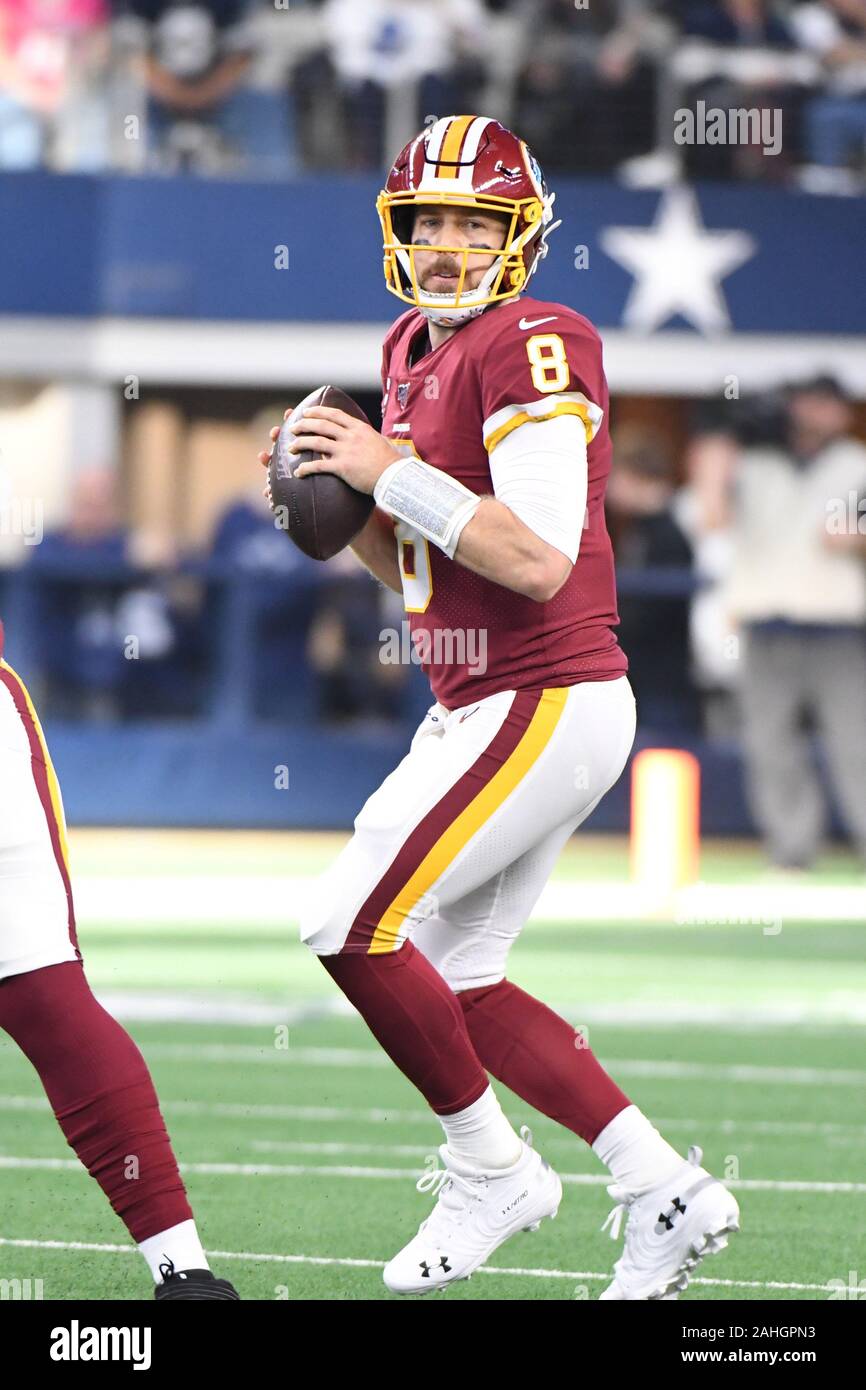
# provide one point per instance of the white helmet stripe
(470, 147)
(457, 179)
(435, 138)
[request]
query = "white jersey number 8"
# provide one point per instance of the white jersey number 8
(413, 554)
(546, 353)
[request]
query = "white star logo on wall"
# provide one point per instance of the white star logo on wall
(677, 265)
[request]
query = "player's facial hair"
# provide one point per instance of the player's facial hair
(473, 246)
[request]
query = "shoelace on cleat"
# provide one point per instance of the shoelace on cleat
(454, 1192)
(615, 1216)
(438, 1180)
(624, 1199)
(445, 1184)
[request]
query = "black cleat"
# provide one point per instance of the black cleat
(195, 1283)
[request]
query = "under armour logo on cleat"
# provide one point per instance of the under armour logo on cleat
(665, 1222)
(443, 1265)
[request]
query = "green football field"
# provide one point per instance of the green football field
(301, 1143)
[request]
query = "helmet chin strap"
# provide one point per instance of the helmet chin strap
(449, 316)
(455, 318)
(548, 226)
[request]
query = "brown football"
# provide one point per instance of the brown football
(320, 512)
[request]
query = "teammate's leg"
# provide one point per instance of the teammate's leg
(94, 1076)
(103, 1098)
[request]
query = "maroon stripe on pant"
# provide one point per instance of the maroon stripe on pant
(428, 830)
(40, 777)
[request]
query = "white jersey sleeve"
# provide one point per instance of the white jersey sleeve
(539, 472)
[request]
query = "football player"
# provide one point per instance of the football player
(94, 1076)
(489, 477)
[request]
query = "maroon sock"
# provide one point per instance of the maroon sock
(537, 1055)
(417, 1019)
(100, 1090)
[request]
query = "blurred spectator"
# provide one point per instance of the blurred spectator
(733, 26)
(385, 49)
(700, 510)
(315, 626)
(201, 109)
(345, 647)
(737, 23)
(835, 119)
(654, 630)
(585, 96)
(246, 537)
(280, 603)
(109, 643)
(53, 58)
(798, 587)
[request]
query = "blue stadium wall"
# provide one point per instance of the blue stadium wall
(188, 775)
(199, 249)
(86, 248)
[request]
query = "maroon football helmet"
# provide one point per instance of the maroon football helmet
(465, 162)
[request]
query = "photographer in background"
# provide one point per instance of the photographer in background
(798, 589)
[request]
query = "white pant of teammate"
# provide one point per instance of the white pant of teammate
(37, 925)
(456, 845)
(37, 920)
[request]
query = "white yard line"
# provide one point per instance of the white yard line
(261, 1257)
(273, 900)
(371, 1057)
(550, 1143)
(831, 1008)
(378, 1116)
(316, 1170)
(745, 1073)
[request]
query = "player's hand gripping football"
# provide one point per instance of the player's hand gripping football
(353, 450)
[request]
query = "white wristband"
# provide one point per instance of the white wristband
(435, 504)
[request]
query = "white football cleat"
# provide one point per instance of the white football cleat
(669, 1230)
(475, 1213)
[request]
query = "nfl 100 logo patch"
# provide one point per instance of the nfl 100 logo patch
(402, 394)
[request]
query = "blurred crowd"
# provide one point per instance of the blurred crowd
(275, 87)
(768, 641)
(741, 573)
(246, 625)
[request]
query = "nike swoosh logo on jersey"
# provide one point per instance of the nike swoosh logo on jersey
(466, 716)
(533, 323)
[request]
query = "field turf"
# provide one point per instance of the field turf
(300, 1142)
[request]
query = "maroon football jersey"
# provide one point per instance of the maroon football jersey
(475, 637)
